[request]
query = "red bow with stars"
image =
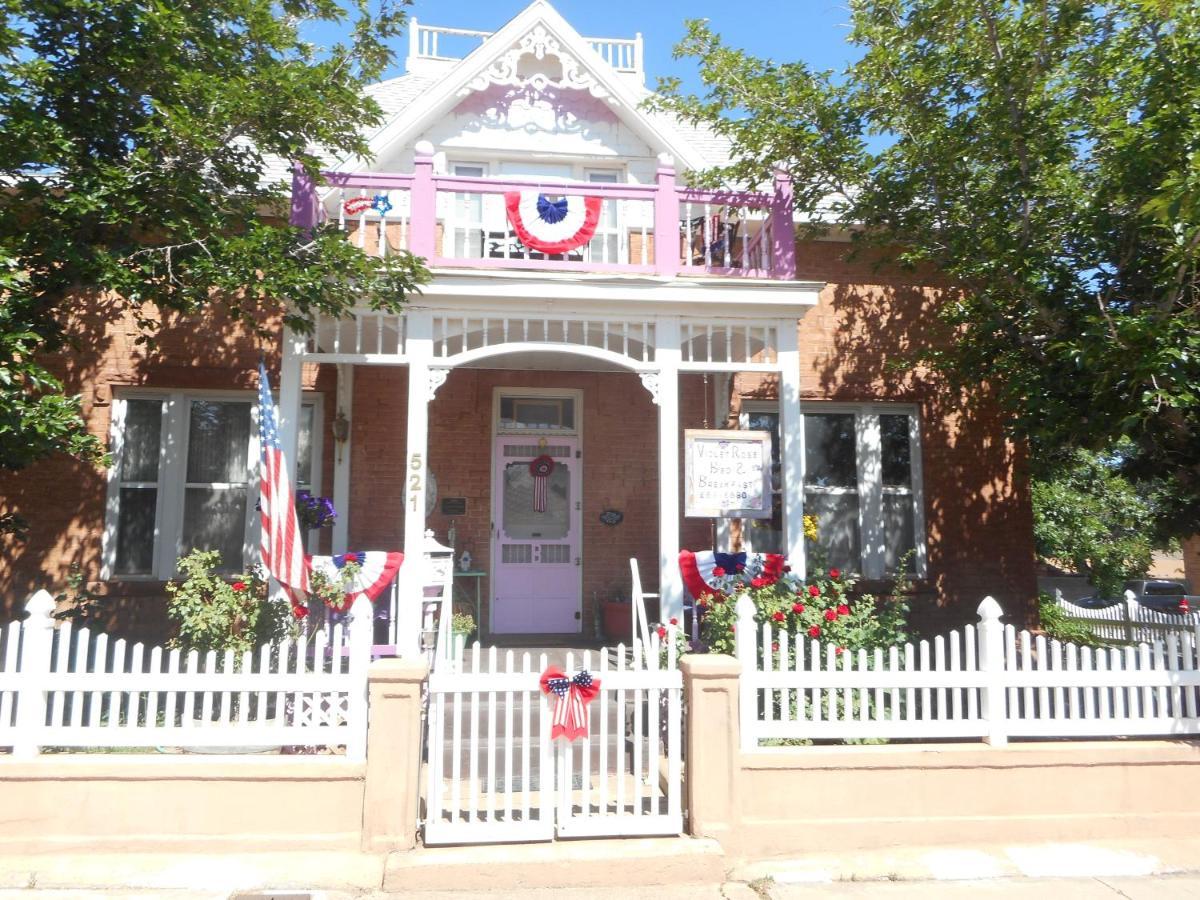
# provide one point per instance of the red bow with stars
(572, 695)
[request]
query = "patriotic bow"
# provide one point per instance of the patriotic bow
(572, 695)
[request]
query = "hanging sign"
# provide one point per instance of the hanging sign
(727, 474)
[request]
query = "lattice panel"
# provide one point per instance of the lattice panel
(453, 335)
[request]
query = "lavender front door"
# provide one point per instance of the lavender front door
(535, 552)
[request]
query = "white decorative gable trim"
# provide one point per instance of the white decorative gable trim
(539, 44)
(494, 62)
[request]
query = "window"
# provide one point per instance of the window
(861, 481)
(537, 414)
(162, 505)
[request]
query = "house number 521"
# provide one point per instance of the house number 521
(414, 481)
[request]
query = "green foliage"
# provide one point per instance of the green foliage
(215, 612)
(1046, 158)
(1058, 626)
(822, 608)
(136, 150)
(332, 591)
(462, 623)
(1087, 515)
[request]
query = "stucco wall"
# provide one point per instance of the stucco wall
(145, 801)
(809, 799)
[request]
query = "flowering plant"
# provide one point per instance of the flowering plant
(314, 512)
(822, 607)
(219, 612)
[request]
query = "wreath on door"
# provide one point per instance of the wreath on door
(540, 469)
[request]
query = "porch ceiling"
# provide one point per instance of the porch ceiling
(552, 362)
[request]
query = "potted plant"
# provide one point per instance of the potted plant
(460, 624)
(616, 617)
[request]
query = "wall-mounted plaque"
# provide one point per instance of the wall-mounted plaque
(454, 506)
(727, 474)
(612, 517)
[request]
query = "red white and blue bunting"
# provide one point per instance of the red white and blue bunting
(697, 568)
(552, 226)
(377, 569)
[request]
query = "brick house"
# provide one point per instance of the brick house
(685, 309)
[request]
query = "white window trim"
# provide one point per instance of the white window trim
(517, 393)
(171, 487)
(868, 457)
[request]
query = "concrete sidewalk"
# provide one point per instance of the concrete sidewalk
(654, 869)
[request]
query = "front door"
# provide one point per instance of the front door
(537, 588)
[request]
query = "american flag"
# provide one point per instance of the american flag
(282, 550)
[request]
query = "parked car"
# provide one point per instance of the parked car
(1157, 594)
(1164, 596)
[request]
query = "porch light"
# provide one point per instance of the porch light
(341, 431)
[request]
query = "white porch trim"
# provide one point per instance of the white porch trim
(657, 339)
(342, 454)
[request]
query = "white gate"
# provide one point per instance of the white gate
(494, 775)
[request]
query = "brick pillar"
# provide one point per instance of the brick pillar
(1191, 562)
(392, 791)
(710, 684)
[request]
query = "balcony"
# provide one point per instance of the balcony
(663, 229)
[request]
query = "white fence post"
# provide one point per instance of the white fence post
(362, 629)
(991, 664)
(1129, 608)
(746, 640)
(36, 640)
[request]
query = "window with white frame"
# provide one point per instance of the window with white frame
(185, 477)
(862, 480)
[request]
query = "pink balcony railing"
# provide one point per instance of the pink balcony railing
(455, 221)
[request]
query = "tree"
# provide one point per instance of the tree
(1088, 516)
(136, 149)
(1046, 159)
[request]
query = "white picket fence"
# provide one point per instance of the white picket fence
(1128, 621)
(493, 773)
(987, 681)
(65, 687)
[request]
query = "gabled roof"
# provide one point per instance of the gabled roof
(412, 102)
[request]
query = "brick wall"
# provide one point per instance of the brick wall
(63, 500)
(977, 511)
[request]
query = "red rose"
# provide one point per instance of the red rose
(797, 608)
(838, 651)
(830, 615)
(814, 591)
(733, 628)
(662, 632)
(299, 611)
(674, 621)
(758, 582)
(775, 646)
(843, 610)
(719, 598)
(834, 573)
(778, 617)
(815, 631)
(718, 571)
(238, 586)
(787, 568)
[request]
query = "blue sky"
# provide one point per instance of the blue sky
(810, 30)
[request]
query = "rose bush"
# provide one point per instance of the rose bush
(219, 612)
(823, 607)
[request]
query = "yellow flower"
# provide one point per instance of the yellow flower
(810, 528)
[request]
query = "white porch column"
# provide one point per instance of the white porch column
(791, 439)
(291, 368)
(667, 356)
(419, 348)
(341, 458)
